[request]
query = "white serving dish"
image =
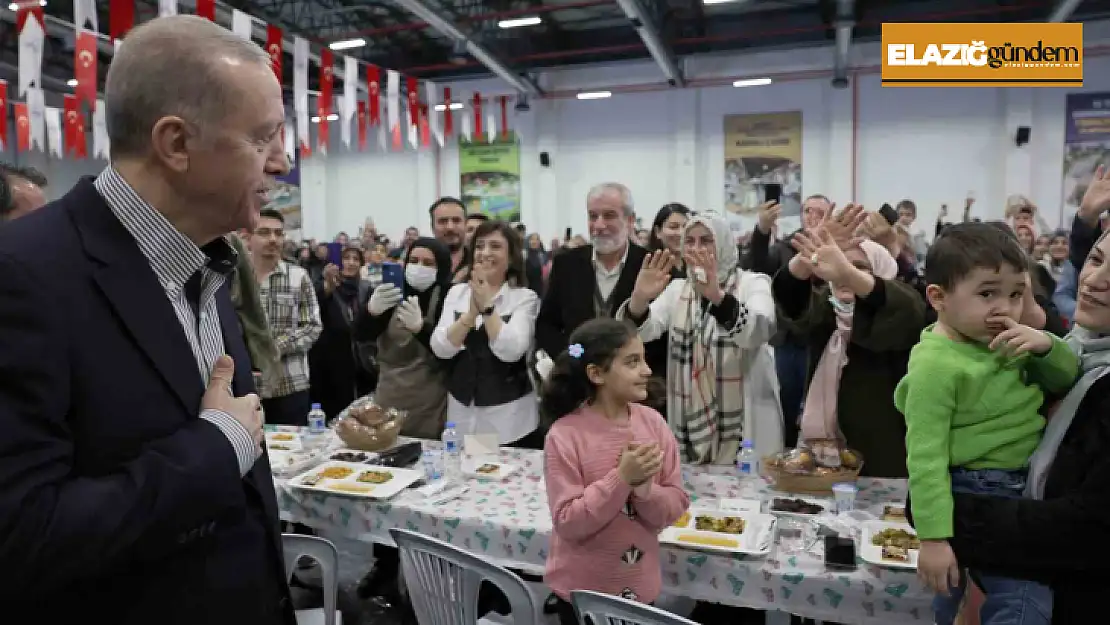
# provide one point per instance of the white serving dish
(756, 539)
(873, 554)
(371, 456)
(477, 468)
(282, 442)
(350, 485)
(827, 505)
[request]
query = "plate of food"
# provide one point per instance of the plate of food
(895, 512)
(284, 441)
(353, 455)
(889, 544)
(487, 469)
(799, 507)
(720, 531)
(356, 479)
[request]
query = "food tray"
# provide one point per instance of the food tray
(344, 454)
(756, 539)
(350, 485)
(873, 554)
(827, 505)
(284, 441)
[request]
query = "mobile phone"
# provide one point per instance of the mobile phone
(567, 234)
(394, 274)
(772, 192)
(335, 254)
(888, 213)
(840, 553)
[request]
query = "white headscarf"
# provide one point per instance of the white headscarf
(728, 254)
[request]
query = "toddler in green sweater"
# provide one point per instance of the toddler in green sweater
(972, 397)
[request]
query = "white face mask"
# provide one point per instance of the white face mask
(420, 277)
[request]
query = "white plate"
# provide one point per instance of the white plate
(371, 456)
(501, 470)
(756, 539)
(827, 504)
(873, 554)
(350, 486)
(283, 463)
(283, 441)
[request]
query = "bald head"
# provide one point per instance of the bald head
(182, 66)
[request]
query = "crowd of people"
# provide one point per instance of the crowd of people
(140, 358)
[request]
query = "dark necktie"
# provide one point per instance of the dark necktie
(192, 294)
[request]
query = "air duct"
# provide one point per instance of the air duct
(422, 11)
(844, 23)
(658, 50)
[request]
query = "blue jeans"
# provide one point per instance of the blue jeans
(790, 365)
(1008, 601)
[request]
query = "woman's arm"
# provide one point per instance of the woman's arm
(658, 319)
(747, 316)
(579, 510)
(799, 306)
(666, 499)
(509, 341)
(448, 337)
(1084, 233)
(889, 318)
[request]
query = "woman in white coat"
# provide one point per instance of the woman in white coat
(722, 387)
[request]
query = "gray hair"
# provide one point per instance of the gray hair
(167, 67)
(601, 189)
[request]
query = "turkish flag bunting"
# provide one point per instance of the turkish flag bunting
(22, 13)
(323, 131)
(4, 113)
(477, 114)
(121, 17)
(273, 46)
(84, 67)
(22, 127)
(504, 116)
(362, 123)
(448, 118)
(425, 131)
(70, 108)
(207, 9)
(81, 146)
(413, 99)
(327, 60)
(374, 87)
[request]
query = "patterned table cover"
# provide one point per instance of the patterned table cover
(509, 523)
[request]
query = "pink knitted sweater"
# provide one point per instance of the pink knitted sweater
(605, 538)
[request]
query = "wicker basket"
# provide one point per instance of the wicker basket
(807, 483)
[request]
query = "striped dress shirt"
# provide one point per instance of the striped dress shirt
(174, 259)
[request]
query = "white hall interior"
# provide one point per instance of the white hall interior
(865, 143)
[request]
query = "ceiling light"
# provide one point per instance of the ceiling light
(72, 82)
(454, 106)
(593, 95)
(331, 118)
(752, 82)
(25, 4)
(520, 21)
(717, 1)
(347, 44)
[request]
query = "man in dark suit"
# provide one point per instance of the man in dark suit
(592, 280)
(133, 485)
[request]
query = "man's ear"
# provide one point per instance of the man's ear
(935, 295)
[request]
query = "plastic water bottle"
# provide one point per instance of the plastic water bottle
(317, 420)
(747, 462)
(452, 452)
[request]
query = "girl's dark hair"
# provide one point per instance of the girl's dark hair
(654, 242)
(567, 385)
(514, 274)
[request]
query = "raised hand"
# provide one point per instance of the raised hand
(842, 226)
(768, 216)
(654, 276)
(822, 254)
(1096, 199)
(481, 292)
(703, 265)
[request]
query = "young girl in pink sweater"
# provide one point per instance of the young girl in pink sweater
(614, 478)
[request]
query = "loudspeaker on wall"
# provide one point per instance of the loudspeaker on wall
(545, 159)
(1022, 136)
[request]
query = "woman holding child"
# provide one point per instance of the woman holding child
(1058, 533)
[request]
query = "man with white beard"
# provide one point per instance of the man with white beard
(592, 280)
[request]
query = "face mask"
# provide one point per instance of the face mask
(844, 308)
(420, 277)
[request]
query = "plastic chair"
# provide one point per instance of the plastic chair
(323, 552)
(443, 582)
(602, 609)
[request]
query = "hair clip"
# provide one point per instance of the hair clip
(576, 351)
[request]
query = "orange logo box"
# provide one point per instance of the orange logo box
(982, 55)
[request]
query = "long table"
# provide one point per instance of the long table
(509, 523)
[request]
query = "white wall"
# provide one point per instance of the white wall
(931, 145)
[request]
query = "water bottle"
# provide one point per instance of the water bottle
(317, 420)
(452, 452)
(747, 462)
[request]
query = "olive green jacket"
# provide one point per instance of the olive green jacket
(252, 317)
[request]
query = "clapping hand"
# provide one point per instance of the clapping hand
(331, 277)
(639, 463)
(481, 292)
(654, 276)
(822, 256)
(1016, 339)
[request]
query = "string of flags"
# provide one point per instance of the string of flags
(416, 112)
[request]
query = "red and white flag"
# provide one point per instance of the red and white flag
(22, 127)
(374, 89)
(121, 17)
(31, 27)
(84, 67)
(274, 47)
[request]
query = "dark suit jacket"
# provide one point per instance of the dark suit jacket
(117, 503)
(569, 300)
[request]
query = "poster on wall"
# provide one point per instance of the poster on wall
(490, 178)
(762, 148)
(1086, 144)
(286, 198)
